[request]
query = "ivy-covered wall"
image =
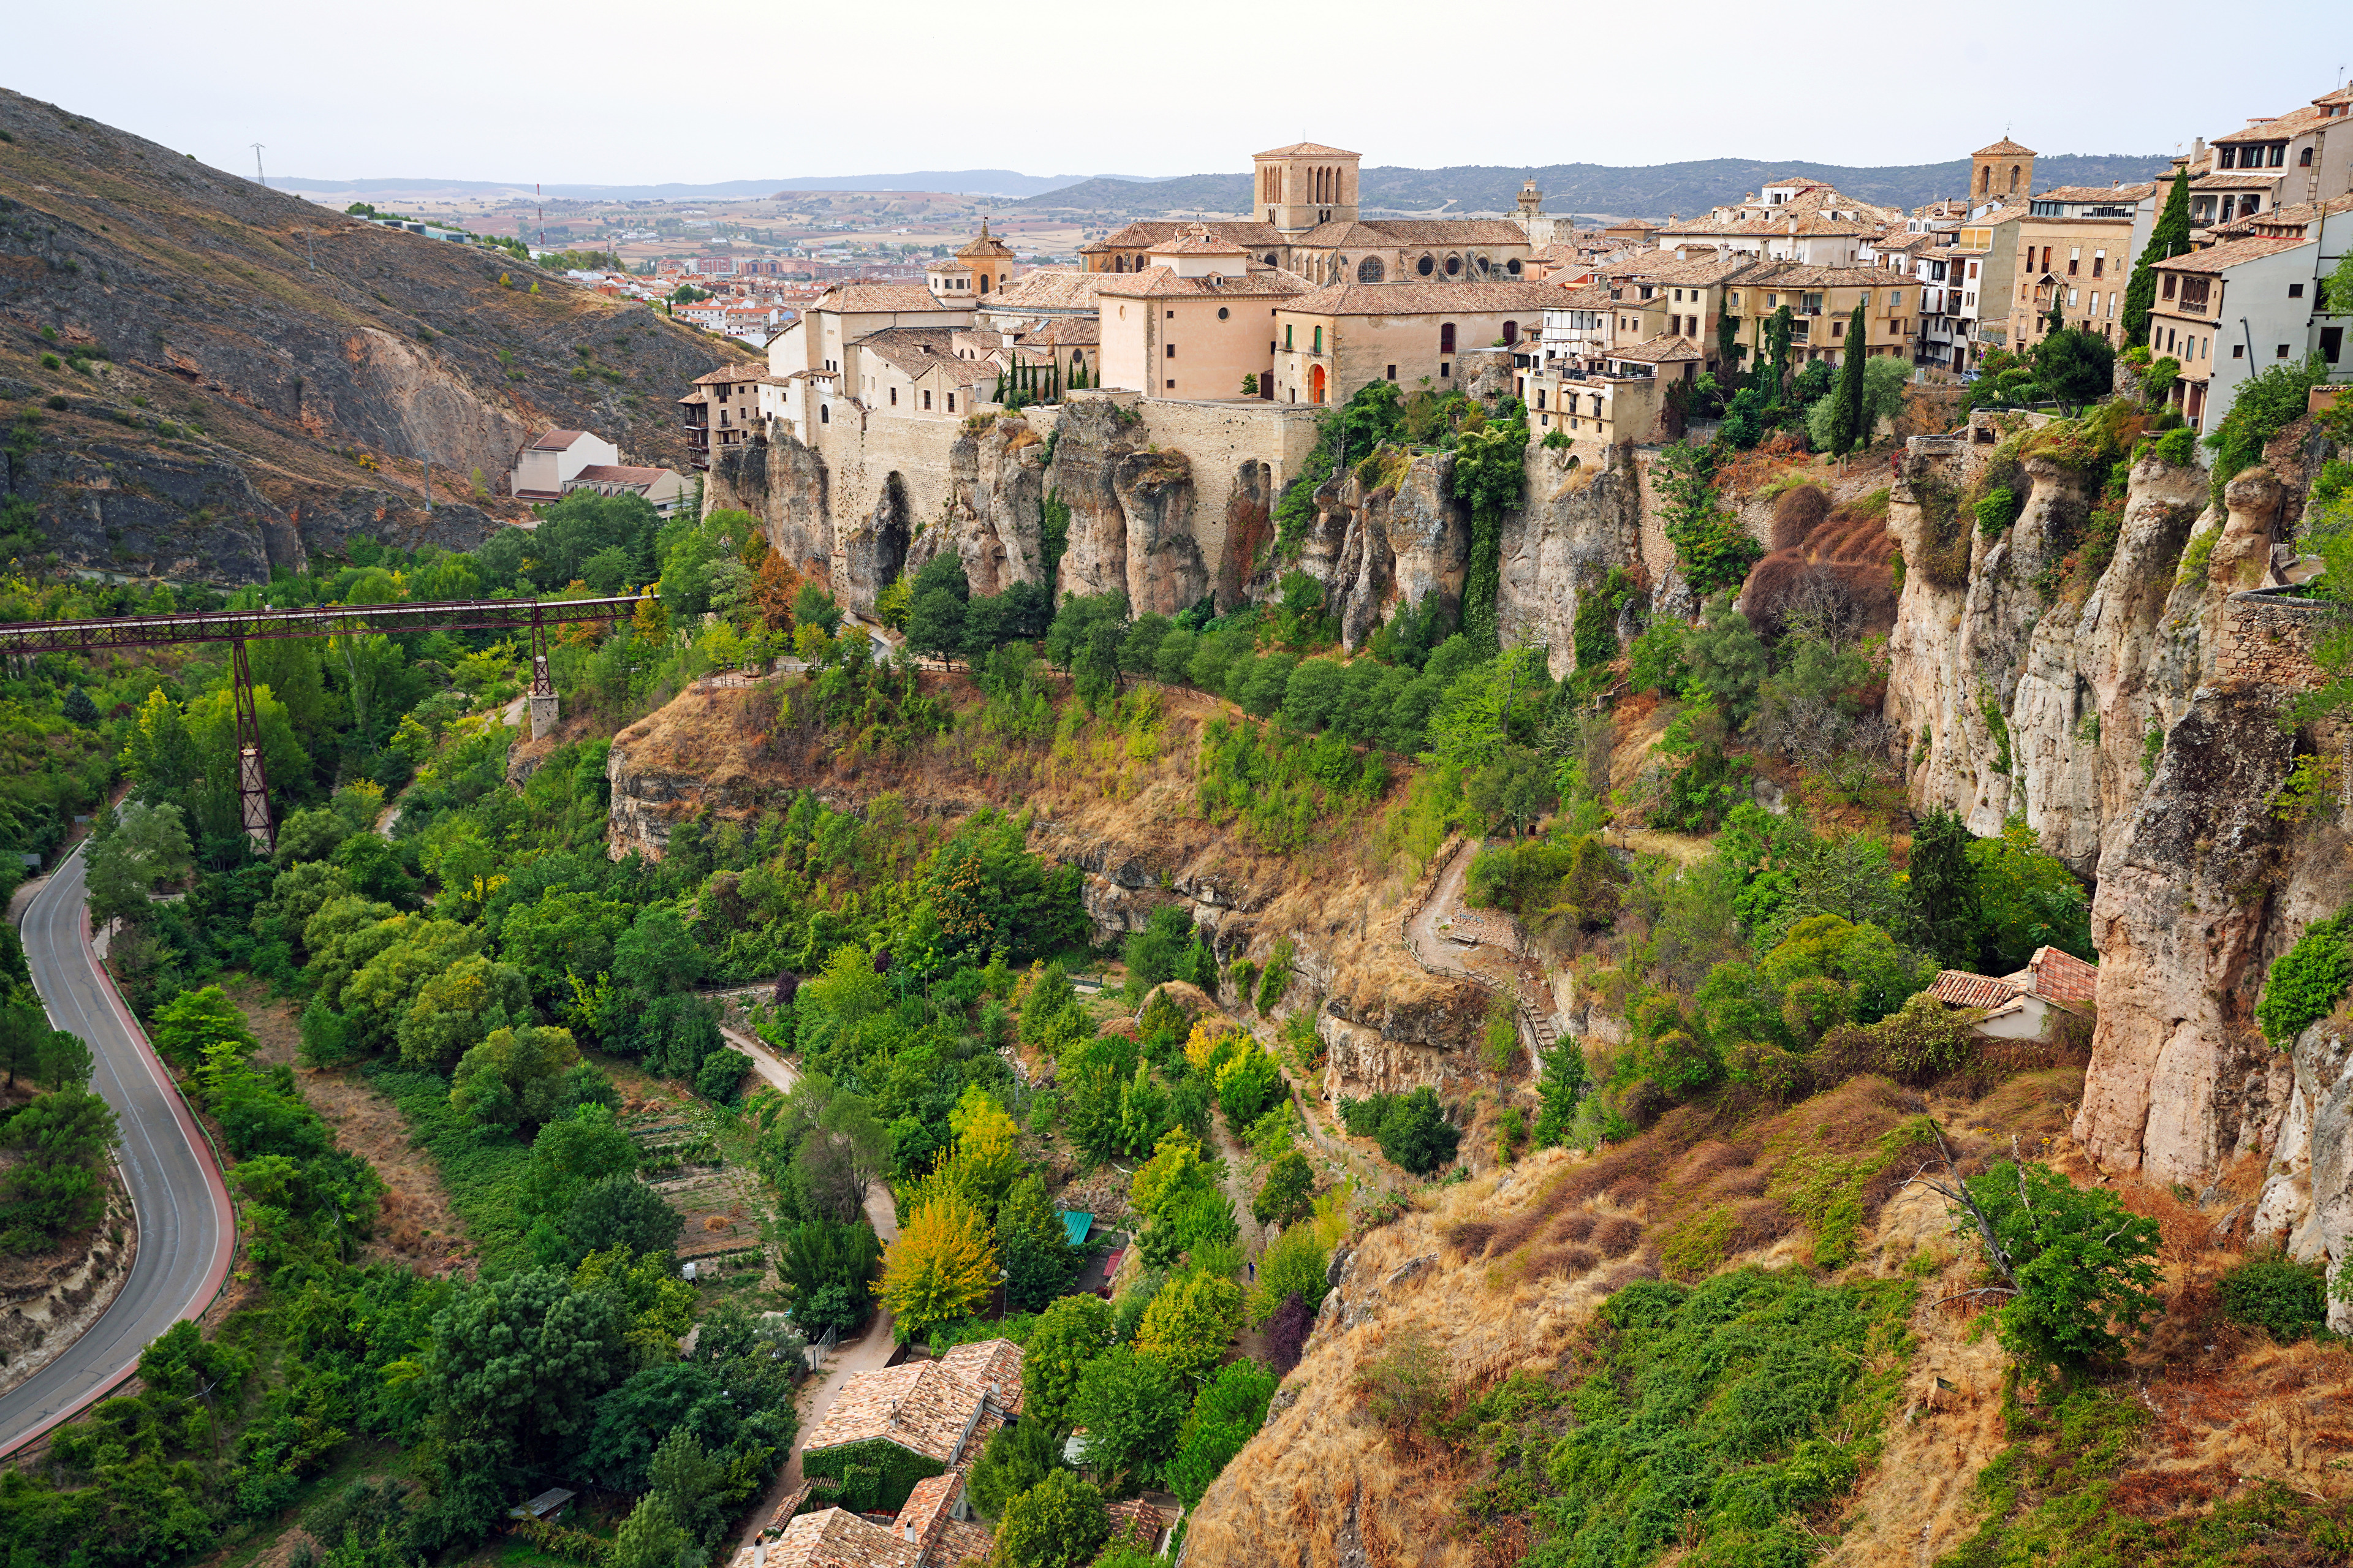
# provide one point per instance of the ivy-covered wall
(873, 1477)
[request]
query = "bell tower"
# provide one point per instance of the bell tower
(1305, 185)
(2000, 173)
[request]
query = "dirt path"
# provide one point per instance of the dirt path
(1496, 951)
(771, 1067)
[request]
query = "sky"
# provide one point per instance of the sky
(617, 91)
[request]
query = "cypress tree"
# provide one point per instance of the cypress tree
(1943, 889)
(1778, 333)
(2170, 239)
(1847, 416)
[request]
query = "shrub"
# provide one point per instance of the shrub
(2273, 1292)
(1997, 511)
(2305, 980)
(2179, 447)
(1411, 1128)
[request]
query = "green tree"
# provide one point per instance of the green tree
(940, 1268)
(1560, 1087)
(1033, 1246)
(566, 1157)
(1288, 1195)
(2167, 238)
(1846, 418)
(1490, 478)
(2075, 367)
(2026, 899)
(59, 1140)
(1228, 1413)
(457, 1009)
(692, 1481)
(935, 625)
(2074, 1266)
(145, 844)
(1068, 1335)
(622, 1211)
(1018, 1458)
(517, 1366)
(1942, 890)
(186, 1029)
(1726, 658)
(1060, 1522)
(519, 1075)
(652, 1536)
(1133, 1407)
(1189, 1325)
(1713, 551)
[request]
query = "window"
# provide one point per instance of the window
(1732, 301)
(1172, 385)
(1370, 270)
(2099, 262)
(1895, 299)
(894, 397)
(1540, 398)
(824, 413)
(2071, 298)
(927, 400)
(2238, 351)
(1172, 315)
(2230, 157)
(1838, 329)
(2283, 352)
(1443, 370)
(2168, 285)
(2279, 154)
(1286, 337)
(2304, 159)
(1426, 266)
(1392, 372)
(2295, 290)
(1168, 351)
(1319, 340)
(1454, 266)
(1446, 337)
(952, 403)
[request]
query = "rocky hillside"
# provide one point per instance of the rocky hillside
(1122, 808)
(2136, 717)
(204, 378)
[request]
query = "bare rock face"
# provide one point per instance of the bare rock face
(1165, 570)
(1085, 474)
(1397, 543)
(2180, 1079)
(786, 485)
(1384, 1037)
(1578, 524)
(996, 518)
(2307, 1197)
(2092, 688)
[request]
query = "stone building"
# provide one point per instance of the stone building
(1194, 323)
(1336, 339)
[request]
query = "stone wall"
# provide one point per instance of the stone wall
(2264, 639)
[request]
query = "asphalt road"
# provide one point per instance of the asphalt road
(186, 1229)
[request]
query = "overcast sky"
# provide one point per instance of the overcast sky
(606, 92)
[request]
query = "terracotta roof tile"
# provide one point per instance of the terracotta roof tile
(617, 474)
(2059, 976)
(928, 1407)
(866, 296)
(1141, 234)
(1048, 289)
(1306, 150)
(834, 1538)
(1158, 282)
(2220, 257)
(1428, 298)
(560, 440)
(2293, 123)
(1958, 988)
(1658, 350)
(2005, 148)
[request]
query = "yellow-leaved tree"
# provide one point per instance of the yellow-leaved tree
(942, 1267)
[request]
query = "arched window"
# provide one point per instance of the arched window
(1513, 267)
(1479, 265)
(2304, 159)
(1270, 255)
(824, 413)
(1511, 333)
(2013, 179)
(983, 282)
(1370, 270)
(1985, 180)
(1426, 266)
(1454, 266)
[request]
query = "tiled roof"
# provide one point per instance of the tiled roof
(2296, 217)
(834, 1538)
(2220, 257)
(1141, 234)
(1797, 274)
(1427, 299)
(617, 474)
(851, 298)
(1409, 232)
(736, 376)
(1704, 271)
(960, 1541)
(1135, 1519)
(1642, 223)
(1198, 241)
(2233, 180)
(985, 244)
(1159, 282)
(1306, 150)
(1068, 331)
(927, 1407)
(950, 266)
(2057, 977)
(1660, 350)
(560, 440)
(2005, 148)
(1592, 296)
(1048, 289)
(914, 350)
(2096, 193)
(2294, 123)
(1958, 988)
(926, 1510)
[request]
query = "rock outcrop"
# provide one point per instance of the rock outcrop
(45, 1302)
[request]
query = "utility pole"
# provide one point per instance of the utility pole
(258, 177)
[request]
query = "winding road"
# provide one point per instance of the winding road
(187, 1231)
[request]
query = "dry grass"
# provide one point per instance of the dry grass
(416, 1227)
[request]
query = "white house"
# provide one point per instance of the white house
(2019, 1006)
(542, 468)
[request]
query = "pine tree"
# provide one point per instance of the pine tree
(2170, 239)
(1943, 889)
(1847, 416)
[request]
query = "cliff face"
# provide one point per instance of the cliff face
(206, 360)
(2138, 728)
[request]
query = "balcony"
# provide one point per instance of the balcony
(2190, 308)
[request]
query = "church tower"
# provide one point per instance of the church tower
(1305, 185)
(990, 259)
(2000, 173)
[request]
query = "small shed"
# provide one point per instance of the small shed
(1075, 1227)
(547, 1505)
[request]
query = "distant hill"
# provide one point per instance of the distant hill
(954, 182)
(1655, 192)
(203, 379)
